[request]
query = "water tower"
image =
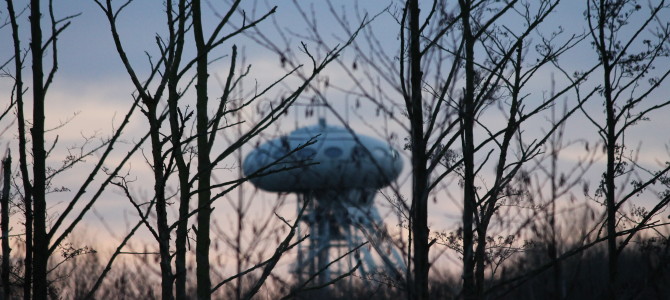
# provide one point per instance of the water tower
(339, 174)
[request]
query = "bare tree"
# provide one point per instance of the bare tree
(452, 64)
(23, 164)
(482, 83)
(43, 239)
(628, 52)
(175, 68)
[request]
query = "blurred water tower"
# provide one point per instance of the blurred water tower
(339, 174)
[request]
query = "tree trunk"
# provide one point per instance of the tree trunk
(41, 239)
(468, 118)
(4, 211)
(184, 189)
(480, 257)
(611, 145)
(419, 165)
(23, 162)
(182, 168)
(161, 204)
(204, 165)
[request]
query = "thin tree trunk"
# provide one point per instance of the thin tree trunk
(182, 168)
(204, 165)
(182, 227)
(468, 106)
(4, 211)
(419, 171)
(611, 144)
(609, 182)
(240, 211)
(161, 203)
(23, 162)
(489, 208)
(480, 257)
(553, 242)
(41, 239)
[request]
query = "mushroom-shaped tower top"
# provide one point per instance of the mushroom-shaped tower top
(337, 160)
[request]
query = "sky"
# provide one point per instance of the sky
(92, 92)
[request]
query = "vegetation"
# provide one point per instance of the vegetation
(540, 155)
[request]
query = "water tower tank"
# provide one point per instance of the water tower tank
(343, 161)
